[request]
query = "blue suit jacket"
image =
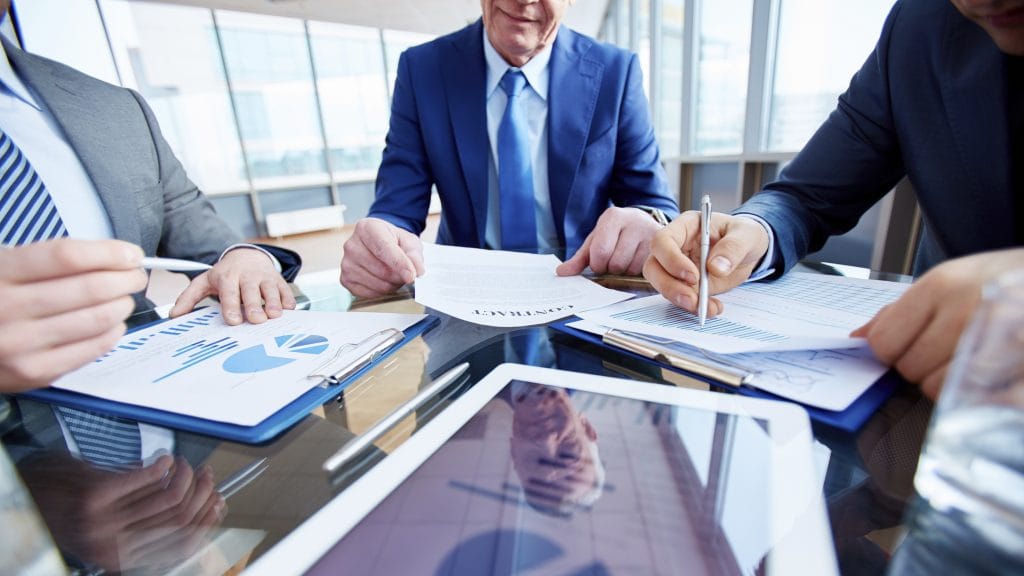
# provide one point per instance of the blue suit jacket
(930, 103)
(601, 147)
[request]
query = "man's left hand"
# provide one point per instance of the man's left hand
(619, 244)
(244, 279)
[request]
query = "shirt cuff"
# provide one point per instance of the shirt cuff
(766, 267)
(277, 265)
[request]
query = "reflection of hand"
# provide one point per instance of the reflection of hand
(619, 244)
(737, 245)
(243, 279)
(148, 517)
(918, 333)
(64, 305)
(380, 258)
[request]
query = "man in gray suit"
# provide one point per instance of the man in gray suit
(121, 193)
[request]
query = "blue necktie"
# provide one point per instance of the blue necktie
(28, 214)
(515, 174)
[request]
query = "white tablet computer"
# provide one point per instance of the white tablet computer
(540, 471)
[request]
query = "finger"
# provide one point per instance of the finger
(671, 245)
(636, 266)
(674, 290)
(162, 503)
(40, 368)
(931, 348)
(66, 257)
(287, 296)
(361, 267)
(578, 262)
(413, 248)
(252, 300)
(626, 250)
(931, 385)
(137, 485)
(196, 290)
(730, 252)
(25, 336)
(62, 295)
(397, 266)
(228, 293)
(868, 326)
(271, 292)
(368, 286)
(602, 248)
(895, 327)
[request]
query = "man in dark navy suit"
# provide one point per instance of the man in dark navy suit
(939, 101)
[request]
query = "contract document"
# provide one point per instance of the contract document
(197, 365)
(799, 311)
(507, 289)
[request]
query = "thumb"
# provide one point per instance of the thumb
(579, 261)
(728, 254)
(413, 248)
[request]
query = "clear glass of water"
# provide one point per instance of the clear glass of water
(969, 514)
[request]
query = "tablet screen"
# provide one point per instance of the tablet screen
(550, 480)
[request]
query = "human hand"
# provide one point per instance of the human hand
(64, 305)
(380, 258)
(149, 517)
(737, 245)
(619, 244)
(244, 279)
(918, 333)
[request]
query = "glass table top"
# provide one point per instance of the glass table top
(166, 517)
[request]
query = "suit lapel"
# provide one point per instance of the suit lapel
(572, 98)
(465, 79)
(83, 123)
(975, 95)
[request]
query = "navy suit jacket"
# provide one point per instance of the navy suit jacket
(931, 103)
(601, 147)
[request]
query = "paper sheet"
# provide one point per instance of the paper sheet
(797, 312)
(829, 379)
(199, 366)
(498, 288)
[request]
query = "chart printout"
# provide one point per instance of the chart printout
(800, 311)
(199, 366)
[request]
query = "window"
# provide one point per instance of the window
(268, 65)
(170, 55)
(821, 44)
(349, 65)
(722, 68)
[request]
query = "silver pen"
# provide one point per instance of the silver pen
(173, 264)
(705, 245)
(360, 442)
(242, 477)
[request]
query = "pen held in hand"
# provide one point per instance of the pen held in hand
(705, 246)
(173, 264)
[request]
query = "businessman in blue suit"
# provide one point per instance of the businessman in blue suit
(940, 101)
(593, 181)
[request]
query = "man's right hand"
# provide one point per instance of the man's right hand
(64, 303)
(380, 258)
(673, 268)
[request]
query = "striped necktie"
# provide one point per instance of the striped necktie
(28, 214)
(515, 170)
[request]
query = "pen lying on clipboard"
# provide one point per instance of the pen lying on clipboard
(685, 359)
(362, 441)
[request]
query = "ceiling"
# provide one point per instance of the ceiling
(426, 16)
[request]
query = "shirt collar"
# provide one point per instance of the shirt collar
(536, 70)
(10, 82)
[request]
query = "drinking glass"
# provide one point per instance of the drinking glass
(968, 517)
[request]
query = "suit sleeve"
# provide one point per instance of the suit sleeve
(850, 163)
(638, 177)
(191, 227)
(404, 179)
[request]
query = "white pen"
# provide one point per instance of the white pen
(705, 245)
(173, 264)
(360, 442)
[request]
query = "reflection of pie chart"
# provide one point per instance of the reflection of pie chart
(284, 350)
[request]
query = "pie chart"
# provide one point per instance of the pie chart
(283, 350)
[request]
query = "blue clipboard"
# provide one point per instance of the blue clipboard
(262, 432)
(849, 420)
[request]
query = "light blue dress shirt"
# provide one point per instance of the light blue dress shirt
(535, 98)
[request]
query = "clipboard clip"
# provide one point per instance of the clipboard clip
(375, 344)
(710, 368)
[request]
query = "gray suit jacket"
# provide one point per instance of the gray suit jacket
(144, 189)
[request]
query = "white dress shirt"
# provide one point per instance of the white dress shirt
(535, 104)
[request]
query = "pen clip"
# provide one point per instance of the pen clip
(378, 344)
